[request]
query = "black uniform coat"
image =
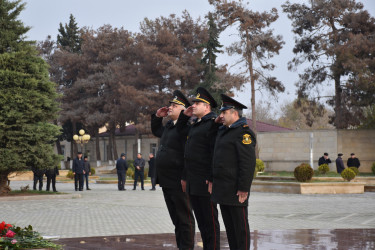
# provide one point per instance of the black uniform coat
(353, 162)
(78, 166)
(199, 151)
(233, 163)
(169, 160)
(121, 165)
(322, 160)
(151, 167)
(52, 171)
(339, 165)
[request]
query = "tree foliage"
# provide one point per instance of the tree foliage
(27, 101)
(336, 40)
(256, 46)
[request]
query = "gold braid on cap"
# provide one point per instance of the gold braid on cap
(178, 102)
(203, 100)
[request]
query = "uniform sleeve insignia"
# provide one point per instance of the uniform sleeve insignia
(246, 139)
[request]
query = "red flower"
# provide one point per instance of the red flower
(10, 234)
(4, 226)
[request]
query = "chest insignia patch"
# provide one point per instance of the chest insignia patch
(246, 139)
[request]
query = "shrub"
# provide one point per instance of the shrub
(348, 174)
(373, 168)
(130, 173)
(303, 172)
(355, 170)
(130, 164)
(70, 174)
(93, 171)
(323, 169)
(259, 165)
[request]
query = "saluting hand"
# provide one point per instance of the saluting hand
(209, 186)
(183, 185)
(242, 196)
(162, 112)
(189, 111)
(219, 120)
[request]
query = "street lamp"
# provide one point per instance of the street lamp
(82, 138)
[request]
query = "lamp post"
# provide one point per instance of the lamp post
(82, 138)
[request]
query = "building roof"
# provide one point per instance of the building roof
(266, 127)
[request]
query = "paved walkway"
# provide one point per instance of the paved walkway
(104, 211)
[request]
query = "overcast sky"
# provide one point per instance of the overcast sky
(44, 16)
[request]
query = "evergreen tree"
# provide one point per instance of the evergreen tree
(211, 48)
(70, 37)
(27, 100)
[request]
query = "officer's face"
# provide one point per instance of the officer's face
(200, 109)
(174, 110)
(228, 117)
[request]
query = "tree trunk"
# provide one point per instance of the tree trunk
(110, 145)
(97, 145)
(252, 82)
(115, 155)
(58, 147)
(75, 145)
(338, 106)
(4, 183)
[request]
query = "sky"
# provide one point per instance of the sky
(44, 17)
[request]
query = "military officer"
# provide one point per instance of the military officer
(78, 171)
(233, 171)
(199, 148)
(169, 163)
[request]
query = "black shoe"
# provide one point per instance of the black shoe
(88, 189)
(55, 191)
(133, 189)
(143, 189)
(76, 189)
(81, 190)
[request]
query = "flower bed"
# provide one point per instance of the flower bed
(12, 237)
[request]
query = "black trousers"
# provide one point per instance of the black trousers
(237, 226)
(206, 214)
(121, 180)
(153, 182)
(141, 174)
(86, 179)
(36, 179)
(179, 209)
(78, 181)
(51, 178)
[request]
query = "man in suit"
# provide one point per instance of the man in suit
(121, 167)
(78, 171)
(233, 171)
(152, 171)
(199, 149)
(339, 163)
(324, 159)
(169, 162)
(87, 172)
(353, 161)
(51, 177)
(139, 170)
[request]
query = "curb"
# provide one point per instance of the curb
(40, 197)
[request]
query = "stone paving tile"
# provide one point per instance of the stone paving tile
(105, 211)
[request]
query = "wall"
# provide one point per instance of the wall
(283, 151)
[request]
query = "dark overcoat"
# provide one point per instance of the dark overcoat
(233, 163)
(169, 160)
(78, 166)
(199, 150)
(121, 165)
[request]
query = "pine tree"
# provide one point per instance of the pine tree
(70, 37)
(211, 48)
(27, 100)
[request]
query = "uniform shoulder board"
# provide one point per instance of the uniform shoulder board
(245, 126)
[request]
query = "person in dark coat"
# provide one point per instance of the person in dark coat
(152, 171)
(169, 163)
(324, 160)
(139, 171)
(339, 163)
(51, 177)
(38, 177)
(199, 149)
(121, 167)
(87, 172)
(78, 171)
(233, 171)
(353, 161)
